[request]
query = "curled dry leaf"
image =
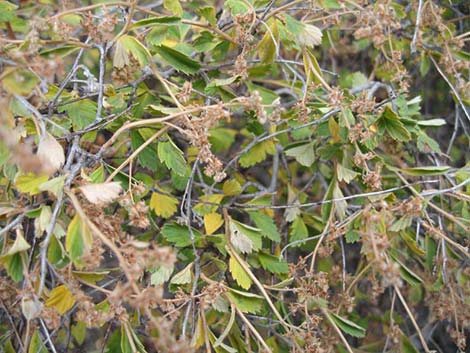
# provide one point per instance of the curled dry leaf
(310, 36)
(101, 193)
(31, 306)
(51, 153)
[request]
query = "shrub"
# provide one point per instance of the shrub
(235, 176)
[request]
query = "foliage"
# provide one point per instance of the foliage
(234, 176)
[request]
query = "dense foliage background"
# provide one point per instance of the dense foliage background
(234, 176)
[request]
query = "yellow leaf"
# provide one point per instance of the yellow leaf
(212, 222)
(239, 274)
(61, 299)
(267, 46)
(232, 187)
(29, 183)
(209, 204)
(163, 205)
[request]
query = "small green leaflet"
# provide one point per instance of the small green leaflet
(302, 152)
(426, 171)
(179, 235)
(257, 153)
(407, 346)
(345, 174)
(208, 12)
(78, 239)
(148, 156)
(172, 156)
(273, 263)
(155, 21)
(126, 45)
(178, 60)
(174, 6)
(82, 113)
(245, 301)
(298, 230)
(266, 225)
(390, 122)
(348, 326)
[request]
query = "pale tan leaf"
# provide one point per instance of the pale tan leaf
(310, 36)
(51, 153)
(101, 193)
(239, 240)
(31, 306)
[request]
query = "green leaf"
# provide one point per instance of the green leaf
(82, 113)
(258, 153)
(14, 266)
(91, 277)
(348, 326)
(130, 45)
(178, 60)
(221, 139)
(7, 11)
(148, 156)
(173, 6)
(302, 152)
(37, 345)
(266, 225)
(79, 332)
(408, 275)
(179, 235)
(401, 223)
(390, 122)
(237, 7)
(54, 186)
(153, 21)
(19, 81)
(208, 12)
(407, 346)
(298, 230)
(172, 156)
(426, 171)
(246, 302)
(61, 51)
(219, 82)
(345, 174)
(30, 183)
(352, 236)
(163, 205)
(239, 274)
(232, 187)
(273, 263)
(78, 239)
